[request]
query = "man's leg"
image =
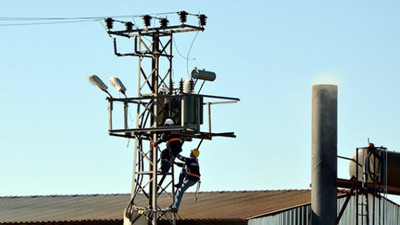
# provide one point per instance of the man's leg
(165, 161)
(178, 198)
(181, 177)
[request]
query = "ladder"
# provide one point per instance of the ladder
(363, 208)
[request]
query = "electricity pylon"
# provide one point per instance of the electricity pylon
(157, 100)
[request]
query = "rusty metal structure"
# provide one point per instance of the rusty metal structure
(158, 100)
(373, 176)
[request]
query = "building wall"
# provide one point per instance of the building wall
(381, 211)
(296, 216)
(386, 213)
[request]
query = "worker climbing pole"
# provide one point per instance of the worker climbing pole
(164, 113)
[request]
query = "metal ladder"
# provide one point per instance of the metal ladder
(363, 206)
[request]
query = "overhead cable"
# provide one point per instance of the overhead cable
(29, 21)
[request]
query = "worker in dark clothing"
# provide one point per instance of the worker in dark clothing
(182, 174)
(174, 147)
(192, 176)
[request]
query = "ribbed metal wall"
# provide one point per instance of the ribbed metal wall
(386, 213)
(297, 216)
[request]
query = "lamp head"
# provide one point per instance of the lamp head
(96, 81)
(116, 82)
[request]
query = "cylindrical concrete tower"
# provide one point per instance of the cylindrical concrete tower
(324, 154)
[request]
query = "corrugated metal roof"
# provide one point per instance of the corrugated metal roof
(62, 208)
(241, 205)
(237, 205)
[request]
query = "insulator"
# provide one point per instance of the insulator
(109, 23)
(183, 16)
(191, 85)
(164, 22)
(172, 86)
(129, 26)
(202, 19)
(181, 86)
(147, 20)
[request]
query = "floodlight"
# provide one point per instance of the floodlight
(116, 82)
(96, 81)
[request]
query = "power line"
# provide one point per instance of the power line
(31, 21)
(46, 18)
(42, 23)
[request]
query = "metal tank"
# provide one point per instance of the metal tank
(203, 74)
(377, 165)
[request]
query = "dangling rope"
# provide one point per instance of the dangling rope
(197, 190)
(198, 182)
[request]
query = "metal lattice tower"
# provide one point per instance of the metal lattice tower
(157, 100)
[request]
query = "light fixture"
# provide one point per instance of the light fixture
(96, 81)
(116, 82)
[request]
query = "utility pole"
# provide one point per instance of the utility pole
(158, 100)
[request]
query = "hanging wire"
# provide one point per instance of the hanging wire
(179, 53)
(105, 28)
(190, 49)
(187, 56)
(134, 23)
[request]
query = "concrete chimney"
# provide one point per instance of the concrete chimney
(324, 155)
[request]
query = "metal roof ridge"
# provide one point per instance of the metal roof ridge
(61, 195)
(236, 191)
(115, 194)
(278, 210)
(62, 220)
(212, 219)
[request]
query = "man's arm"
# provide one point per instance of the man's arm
(183, 159)
(159, 140)
(179, 164)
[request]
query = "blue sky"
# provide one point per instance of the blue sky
(53, 136)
